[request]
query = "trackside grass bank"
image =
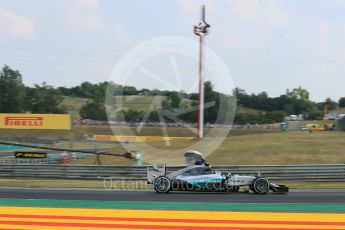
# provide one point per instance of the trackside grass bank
(282, 148)
(240, 147)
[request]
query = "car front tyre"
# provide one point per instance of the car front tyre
(162, 184)
(260, 186)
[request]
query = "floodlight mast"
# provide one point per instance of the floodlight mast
(201, 30)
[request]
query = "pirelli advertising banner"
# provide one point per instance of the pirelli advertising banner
(35, 121)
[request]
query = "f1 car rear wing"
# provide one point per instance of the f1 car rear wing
(155, 171)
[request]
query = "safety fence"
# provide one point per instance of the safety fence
(315, 172)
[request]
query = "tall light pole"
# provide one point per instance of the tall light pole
(201, 30)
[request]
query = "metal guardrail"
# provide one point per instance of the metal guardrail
(31, 161)
(315, 172)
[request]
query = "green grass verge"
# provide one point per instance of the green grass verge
(195, 206)
(100, 184)
(90, 184)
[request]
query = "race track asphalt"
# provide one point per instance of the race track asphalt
(324, 196)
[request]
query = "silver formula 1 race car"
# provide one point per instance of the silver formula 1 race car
(199, 176)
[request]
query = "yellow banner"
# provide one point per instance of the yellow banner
(35, 121)
(138, 138)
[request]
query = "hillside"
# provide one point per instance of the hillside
(143, 102)
(74, 104)
(135, 102)
(140, 102)
(243, 109)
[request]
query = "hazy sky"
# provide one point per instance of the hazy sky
(268, 45)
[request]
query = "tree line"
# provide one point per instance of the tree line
(15, 97)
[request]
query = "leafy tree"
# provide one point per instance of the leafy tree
(247, 118)
(313, 114)
(294, 102)
(276, 116)
(298, 93)
(342, 102)
(320, 105)
(238, 92)
(331, 104)
(172, 101)
(129, 90)
(94, 110)
(11, 91)
(87, 90)
(299, 101)
(301, 106)
(132, 115)
(175, 100)
(166, 104)
(64, 91)
(44, 99)
(213, 99)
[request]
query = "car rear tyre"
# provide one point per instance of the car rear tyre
(162, 184)
(260, 186)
